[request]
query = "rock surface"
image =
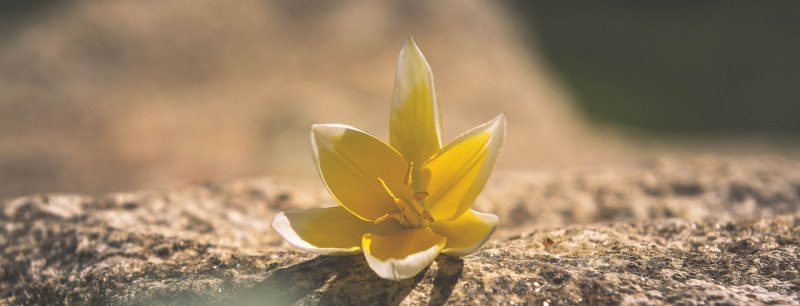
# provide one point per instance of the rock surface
(708, 230)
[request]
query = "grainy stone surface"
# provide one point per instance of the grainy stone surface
(707, 230)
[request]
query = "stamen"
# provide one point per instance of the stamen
(387, 217)
(419, 196)
(410, 214)
(410, 217)
(407, 180)
(427, 216)
(389, 191)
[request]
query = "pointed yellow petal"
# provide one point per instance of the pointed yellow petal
(328, 231)
(350, 162)
(467, 233)
(414, 128)
(403, 254)
(458, 173)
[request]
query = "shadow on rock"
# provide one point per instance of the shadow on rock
(346, 280)
(449, 272)
(288, 285)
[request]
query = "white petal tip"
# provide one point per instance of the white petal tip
(410, 43)
(400, 269)
(283, 226)
(489, 219)
(328, 128)
(498, 121)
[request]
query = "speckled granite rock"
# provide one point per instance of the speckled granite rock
(674, 231)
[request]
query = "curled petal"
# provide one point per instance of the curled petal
(467, 233)
(327, 231)
(458, 173)
(414, 128)
(350, 162)
(403, 254)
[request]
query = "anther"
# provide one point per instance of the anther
(427, 216)
(419, 196)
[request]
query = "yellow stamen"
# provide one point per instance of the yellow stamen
(386, 188)
(387, 217)
(411, 214)
(419, 196)
(427, 216)
(407, 180)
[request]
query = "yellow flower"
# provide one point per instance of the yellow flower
(401, 204)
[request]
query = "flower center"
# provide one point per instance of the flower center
(410, 213)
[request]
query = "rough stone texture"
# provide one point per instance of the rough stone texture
(708, 230)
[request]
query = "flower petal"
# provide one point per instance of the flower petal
(467, 233)
(414, 128)
(403, 254)
(458, 173)
(350, 162)
(328, 231)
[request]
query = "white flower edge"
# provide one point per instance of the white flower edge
(489, 219)
(399, 269)
(283, 226)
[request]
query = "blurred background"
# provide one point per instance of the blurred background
(102, 96)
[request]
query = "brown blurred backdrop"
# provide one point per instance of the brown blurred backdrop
(99, 96)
